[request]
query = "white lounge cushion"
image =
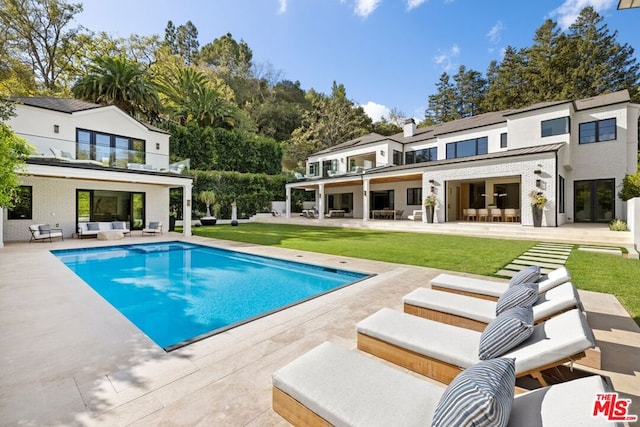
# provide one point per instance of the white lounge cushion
(554, 301)
(559, 337)
(497, 288)
(478, 309)
(566, 404)
(347, 388)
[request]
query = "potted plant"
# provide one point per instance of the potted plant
(430, 203)
(208, 198)
(538, 201)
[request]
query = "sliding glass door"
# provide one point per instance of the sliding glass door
(106, 206)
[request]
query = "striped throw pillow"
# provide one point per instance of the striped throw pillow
(505, 332)
(526, 275)
(481, 395)
(524, 295)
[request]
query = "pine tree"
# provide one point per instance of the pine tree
(545, 73)
(442, 105)
(508, 86)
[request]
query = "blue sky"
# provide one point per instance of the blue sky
(387, 53)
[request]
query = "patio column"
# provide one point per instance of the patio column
(321, 202)
(287, 203)
(186, 209)
(365, 200)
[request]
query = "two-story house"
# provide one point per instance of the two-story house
(91, 163)
(576, 153)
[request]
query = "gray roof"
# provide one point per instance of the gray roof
(362, 140)
(548, 148)
(69, 106)
(602, 100)
(63, 105)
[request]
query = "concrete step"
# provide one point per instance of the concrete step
(542, 259)
(552, 266)
(545, 255)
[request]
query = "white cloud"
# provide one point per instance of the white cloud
(567, 13)
(365, 8)
(283, 6)
(412, 4)
(375, 111)
(445, 59)
(495, 33)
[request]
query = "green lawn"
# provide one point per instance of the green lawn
(590, 271)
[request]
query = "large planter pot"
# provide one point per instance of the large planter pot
(430, 213)
(537, 216)
(208, 220)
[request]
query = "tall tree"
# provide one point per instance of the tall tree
(124, 83)
(38, 35)
(13, 154)
(470, 91)
(547, 66)
(598, 63)
(331, 120)
(442, 105)
(228, 57)
(506, 88)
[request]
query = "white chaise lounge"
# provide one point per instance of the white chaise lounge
(489, 289)
(331, 385)
(475, 313)
(440, 351)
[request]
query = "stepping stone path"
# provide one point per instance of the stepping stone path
(548, 256)
(601, 249)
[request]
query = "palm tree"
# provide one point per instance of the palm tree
(121, 82)
(190, 95)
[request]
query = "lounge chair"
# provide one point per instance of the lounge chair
(331, 385)
(440, 351)
(68, 157)
(489, 289)
(475, 313)
(44, 232)
(153, 228)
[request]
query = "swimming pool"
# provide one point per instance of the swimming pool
(178, 293)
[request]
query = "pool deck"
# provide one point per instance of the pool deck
(69, 358)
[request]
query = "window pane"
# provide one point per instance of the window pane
(482, 145)
(555, 126)
(84, 205)
(451, 151)
(466, 148)
(410, 157)
(433, 154)
(503, 140)
(607, 130)
(23, 202)
(587, 132)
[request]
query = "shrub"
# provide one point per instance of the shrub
(630, 187)
(618, 225)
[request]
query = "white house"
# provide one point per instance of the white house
(91, 163)
(575, 153)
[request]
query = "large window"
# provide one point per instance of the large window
(23, 204)
(314, 169)
(397, 158)
(598, 131)
(106, 206)
(557, 126)
(112, 150)
(414, 196)
(424, 155)
(469, 147)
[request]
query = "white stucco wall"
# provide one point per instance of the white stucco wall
(633, 220)
(525, 129)
(491, 132)
(57, 196)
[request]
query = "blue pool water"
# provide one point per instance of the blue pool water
(178, 293)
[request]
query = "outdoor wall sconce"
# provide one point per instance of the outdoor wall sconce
(433, 189)
(56, 129)
(538, 183)
(157, 145)
(538, 170)
(431, 181)
(382, 152)
(188, 203)
(365, 193)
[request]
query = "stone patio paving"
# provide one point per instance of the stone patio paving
(69, 358)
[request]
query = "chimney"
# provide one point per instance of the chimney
(409, 128)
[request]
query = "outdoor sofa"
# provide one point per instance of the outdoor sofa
(90, 229)
(41, 232)
(331, 385)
